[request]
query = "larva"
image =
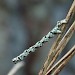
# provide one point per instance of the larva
(54, 31)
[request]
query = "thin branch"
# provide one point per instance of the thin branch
(55, 30)
(63, 42)
(15, 68)
(56, 43)
(62, 62)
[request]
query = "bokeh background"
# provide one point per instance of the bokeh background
(22, 24)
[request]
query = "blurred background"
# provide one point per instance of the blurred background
(22, 24)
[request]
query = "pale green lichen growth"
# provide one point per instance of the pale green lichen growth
(55, 30)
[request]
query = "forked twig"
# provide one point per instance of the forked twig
(63, 42)
(57, 47)
(48, 63)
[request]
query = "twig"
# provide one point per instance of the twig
(63, 42)
(55, 30)
(62, 62)
(56, 43)
(15, 68)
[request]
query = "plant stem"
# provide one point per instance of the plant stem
(62, 62)
(56, 43)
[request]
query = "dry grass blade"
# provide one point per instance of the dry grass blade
(15, 68)
(56, 43)
(62, 62)
(63, 43)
